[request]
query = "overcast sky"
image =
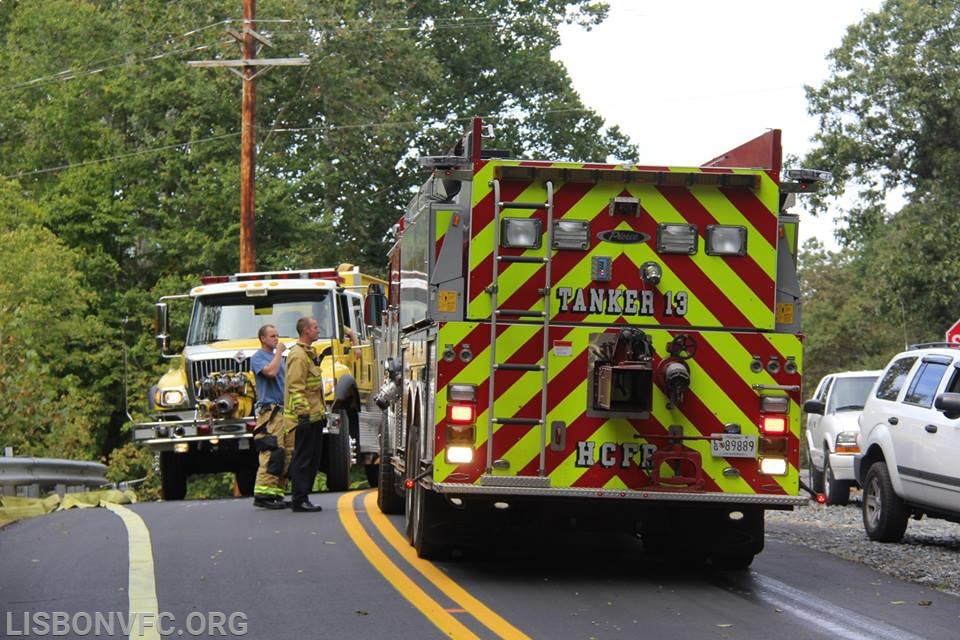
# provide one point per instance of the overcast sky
(690, 79)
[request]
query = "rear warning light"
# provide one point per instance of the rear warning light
(214, 279)
(773, 424)
(461, 413)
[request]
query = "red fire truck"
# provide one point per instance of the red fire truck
(611, 343)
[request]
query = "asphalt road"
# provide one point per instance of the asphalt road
(225, 569)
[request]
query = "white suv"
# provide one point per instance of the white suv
(910, 442)
(832, 431)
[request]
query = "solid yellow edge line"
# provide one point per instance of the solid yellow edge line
(403, 584)
(142, 587)
(455, 592)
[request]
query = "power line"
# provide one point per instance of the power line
(98, 66)
(67, 75)
(122, 156)
(133, 56)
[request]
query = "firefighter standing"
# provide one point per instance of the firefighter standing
(269, 436)
(304, 413)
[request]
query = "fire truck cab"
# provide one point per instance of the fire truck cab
(615, 343)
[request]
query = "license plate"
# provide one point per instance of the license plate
(734, 445)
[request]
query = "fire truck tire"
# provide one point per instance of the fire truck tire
(425, 510)
(836, 491)
(173, 475)
(884, 513)
(388, 499)
(338, 446)
(429, 537)
(732, 561)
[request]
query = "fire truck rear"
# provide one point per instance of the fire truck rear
(203, 406)
(613, 343)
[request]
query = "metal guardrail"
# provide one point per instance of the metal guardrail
(31, 477)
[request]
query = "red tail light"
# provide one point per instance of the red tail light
(773, 425)
(461, 413)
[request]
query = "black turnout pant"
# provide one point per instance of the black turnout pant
(307, 447)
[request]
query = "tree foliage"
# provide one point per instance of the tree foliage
(888, 113)
(49, 338)
(889, 127)
(127, 159)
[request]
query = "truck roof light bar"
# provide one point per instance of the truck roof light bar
(303, 274)
(635, 176)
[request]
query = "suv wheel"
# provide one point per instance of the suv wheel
(816, 476)
(884, 514)
(836, 491)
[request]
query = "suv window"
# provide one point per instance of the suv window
(954, 386)
(824, 389)
(925, 383)
(850, 393)
(893, 379)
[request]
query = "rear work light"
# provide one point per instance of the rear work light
(726, 240)
(521, 233)
(677, 238)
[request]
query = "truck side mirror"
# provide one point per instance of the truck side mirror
(814, 406)
(161, 326)
(948, 404)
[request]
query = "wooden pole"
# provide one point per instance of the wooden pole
(248, 147)
(248, 68)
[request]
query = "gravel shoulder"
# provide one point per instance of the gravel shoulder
(928, 555)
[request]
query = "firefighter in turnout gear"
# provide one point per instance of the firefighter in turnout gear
(267, 365)
(304, 413)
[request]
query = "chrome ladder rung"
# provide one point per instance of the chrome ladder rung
(527, 259)
(524, 205)
(522, 421)
(518, 367)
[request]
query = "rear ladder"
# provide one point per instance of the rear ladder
(498, 316)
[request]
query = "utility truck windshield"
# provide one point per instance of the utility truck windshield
(239, 317)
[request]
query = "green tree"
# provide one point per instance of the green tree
(48, 335)
(888, 116)
(131, 157)
(889, 126)
(848, 323)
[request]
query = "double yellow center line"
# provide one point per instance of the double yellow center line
(401, 581)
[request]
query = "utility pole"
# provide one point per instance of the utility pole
(250, 67)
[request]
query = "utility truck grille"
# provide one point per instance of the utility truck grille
(199, 369)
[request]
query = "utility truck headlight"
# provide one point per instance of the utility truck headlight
(726, 241)
(521, 233)
(172, 397)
